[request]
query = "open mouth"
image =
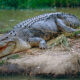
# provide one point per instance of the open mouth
(3, 48)
(6, 49)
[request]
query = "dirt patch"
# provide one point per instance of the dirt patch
(55, 61)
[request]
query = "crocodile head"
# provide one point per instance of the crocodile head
(11, 44)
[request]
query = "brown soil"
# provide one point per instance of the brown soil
(55, 61)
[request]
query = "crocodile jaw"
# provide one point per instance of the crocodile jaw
(9, 47)
(21, 46)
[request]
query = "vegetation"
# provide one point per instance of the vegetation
(23, 4)
(9, 18)
(4, 59)
(61, 40)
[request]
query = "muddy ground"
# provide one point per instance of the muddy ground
(55, 61)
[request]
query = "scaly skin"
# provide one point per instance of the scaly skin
(12, 45)
(36, 31)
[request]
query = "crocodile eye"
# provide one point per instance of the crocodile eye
(6, 37)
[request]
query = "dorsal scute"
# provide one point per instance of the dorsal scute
(27, 23)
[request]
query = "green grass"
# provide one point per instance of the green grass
(13, 56)
(9, 18)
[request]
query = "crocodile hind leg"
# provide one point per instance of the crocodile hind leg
(64, 27)
(36, 41)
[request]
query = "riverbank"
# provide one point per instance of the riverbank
(55, 61)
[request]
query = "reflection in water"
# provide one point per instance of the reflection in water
(22, 77)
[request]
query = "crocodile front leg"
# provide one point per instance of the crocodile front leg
(36, 41)
(64, 27)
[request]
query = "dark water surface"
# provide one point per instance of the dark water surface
(21, 77)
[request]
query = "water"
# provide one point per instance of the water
(21, 77)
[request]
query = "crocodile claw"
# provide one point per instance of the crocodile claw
(43, 46)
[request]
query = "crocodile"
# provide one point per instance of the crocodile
(37, 30)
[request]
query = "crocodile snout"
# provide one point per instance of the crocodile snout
(12, 45)
(6, 48)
